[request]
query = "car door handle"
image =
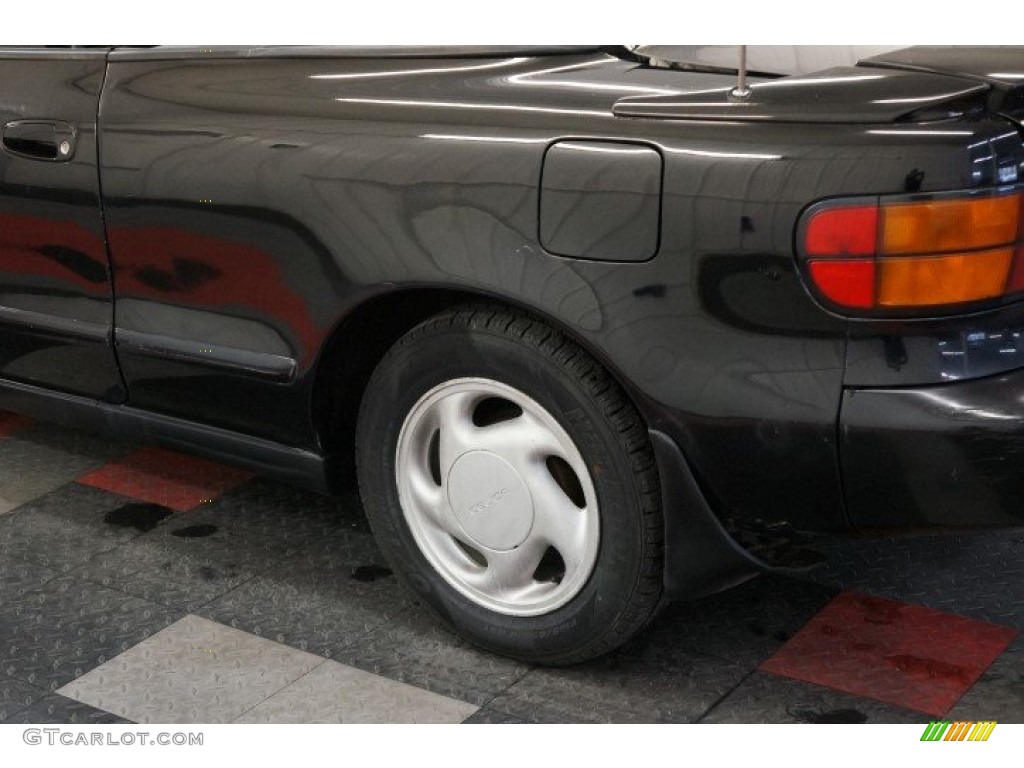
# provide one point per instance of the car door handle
(49, 140)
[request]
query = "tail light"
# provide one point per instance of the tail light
(877, 256)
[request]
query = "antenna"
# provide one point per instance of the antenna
(742, 90)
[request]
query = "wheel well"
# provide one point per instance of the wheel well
(351, 354)
(359, 343)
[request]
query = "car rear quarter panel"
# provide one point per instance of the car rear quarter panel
(252, 204)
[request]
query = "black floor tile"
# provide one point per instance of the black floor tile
(487, 716)
(318, 600)
(58, 709)
(763, 698)
(54, 633)
(642, 684)
(745, 624)
(414, 647)
(64, 528)
(16, 696)
(999, 693)
(980, 574)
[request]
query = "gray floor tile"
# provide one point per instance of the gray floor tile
(745, 624)
(976, 574)
(195, 671)
(56, 709)
(283, 518)
(763, 698)
(64, 528)
(335, 693)
(999, 693)
(487, 716)
(53, 633)
(190, 559)
(44, 457)
(413, 647)
(319, 600)
(19, 576)
(640, 685)
(16, 696)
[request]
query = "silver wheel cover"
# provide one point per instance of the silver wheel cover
(505, 512)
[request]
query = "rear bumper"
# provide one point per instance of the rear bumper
(945, 455)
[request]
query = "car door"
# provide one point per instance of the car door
(56, 299)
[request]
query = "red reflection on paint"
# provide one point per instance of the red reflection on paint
(205, 272)
(57, 249)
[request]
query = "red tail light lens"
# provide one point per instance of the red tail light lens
(919, 254)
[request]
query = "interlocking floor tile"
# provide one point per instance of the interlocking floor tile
(56, 632)
(167, 478)
(642, 682)
(195, 671)
(413, 647)
(43, 458)
(913, 657)
(64, 528)
(335, 693)
(282, 519)
(745, 624)
(19, 576)
(999, 692)
(16, 696)
(487, 716)
(764, 698)
(319, 600)
(978, 574)
(58, 709)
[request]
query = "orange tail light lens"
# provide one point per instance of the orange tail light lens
(920, 254)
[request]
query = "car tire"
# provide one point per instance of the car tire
(488, 441)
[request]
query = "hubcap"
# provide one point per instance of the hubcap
(490, 500)
(497, 497)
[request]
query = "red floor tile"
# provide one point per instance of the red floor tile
(890, 651)
(167, 478)
(12, 422)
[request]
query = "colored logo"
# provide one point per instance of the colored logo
(959, 731)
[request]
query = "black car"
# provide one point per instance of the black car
(594, 327)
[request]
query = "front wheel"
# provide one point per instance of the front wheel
(512, 483)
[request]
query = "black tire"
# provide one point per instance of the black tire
(624, 590)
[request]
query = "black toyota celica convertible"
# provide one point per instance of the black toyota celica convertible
(593, 327)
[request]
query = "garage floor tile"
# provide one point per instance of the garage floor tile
(334, 693)
(56, 632)
(58, 709)
(976, 574)
(745, 624)
(486, 716)
(999, 692)
(318, 601)
(195, 671)
(640, 683)
(19, 576)
(43, 458)
(64, 528)
(16, 696)
(166, 478)
(903, 654)
(762, 698)
(414, 647)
